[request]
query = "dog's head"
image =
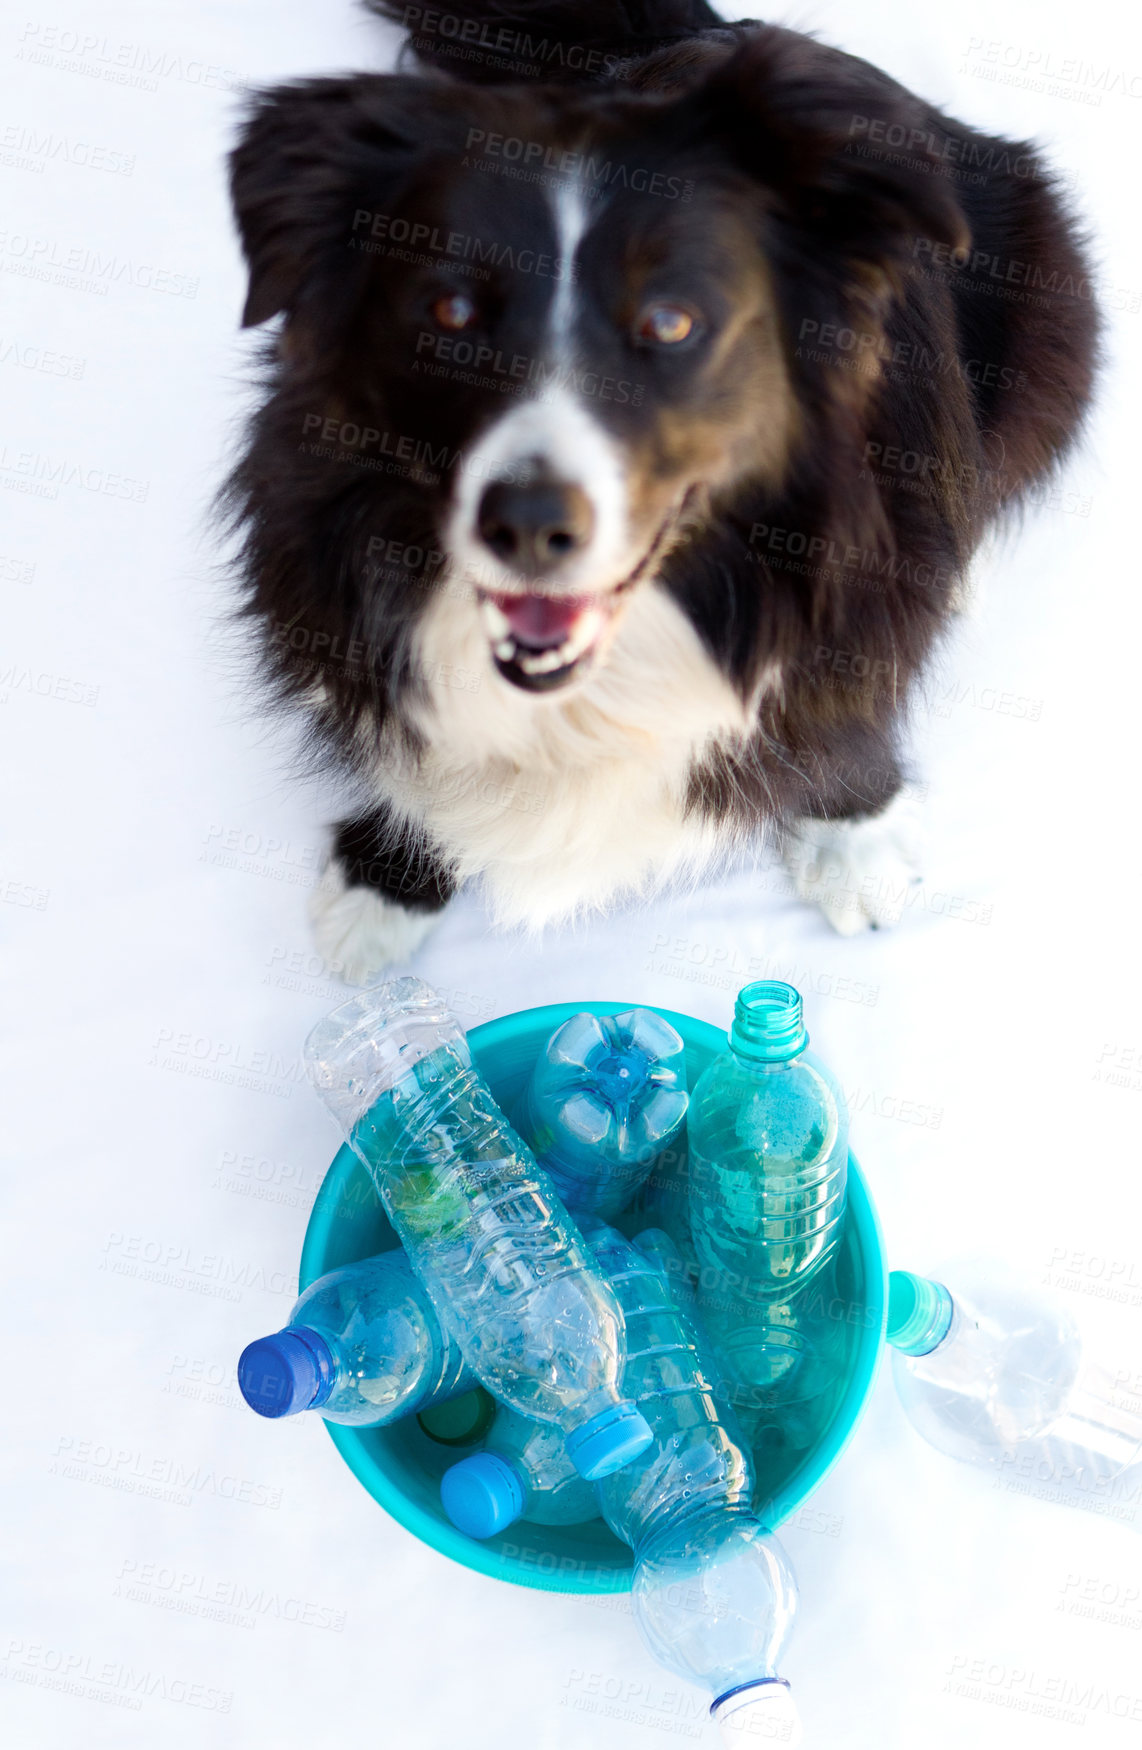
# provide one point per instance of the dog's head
(539, 336)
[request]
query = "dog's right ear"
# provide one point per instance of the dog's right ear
(310, 155)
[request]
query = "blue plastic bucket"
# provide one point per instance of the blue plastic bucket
(401, 1467)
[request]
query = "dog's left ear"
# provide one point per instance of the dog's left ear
(849, 156)
(310, 156)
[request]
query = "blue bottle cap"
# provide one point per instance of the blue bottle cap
(292, 1370)
(608, 1441)
(482, 1494)
(919, 1313)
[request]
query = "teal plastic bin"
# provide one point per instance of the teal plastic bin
(401, 1467)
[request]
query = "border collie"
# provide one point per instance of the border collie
(642, 387)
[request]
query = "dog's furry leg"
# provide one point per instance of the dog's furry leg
(858, 871)
(380, 896)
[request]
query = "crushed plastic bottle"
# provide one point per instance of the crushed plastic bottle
(713, 1595)
(606, 1097)
(480, 1221)
(994, 1373)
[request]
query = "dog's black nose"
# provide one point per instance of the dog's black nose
(534, 529)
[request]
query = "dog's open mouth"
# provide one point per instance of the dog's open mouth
(540, 641)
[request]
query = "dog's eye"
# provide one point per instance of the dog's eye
(454, 311)
(665, 324)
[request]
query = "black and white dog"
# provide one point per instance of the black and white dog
(643, 389)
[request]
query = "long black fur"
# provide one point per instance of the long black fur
(957, 252)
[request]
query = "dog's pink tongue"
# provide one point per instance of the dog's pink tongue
(542, 622)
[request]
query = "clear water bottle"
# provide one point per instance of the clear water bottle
(606, 1097)
(994, 1373)
(522, 1473)
(481, 1223)
(784, 1365)
(667, 1255)
(713, 1593)
(768, 1135)
(363, 1346)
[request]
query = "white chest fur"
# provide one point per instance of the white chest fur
(560, 803)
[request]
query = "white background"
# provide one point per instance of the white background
(145, 964)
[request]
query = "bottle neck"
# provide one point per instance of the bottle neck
(919, 1313)
(672, 1525)
(768, 1027)
(326, 1361)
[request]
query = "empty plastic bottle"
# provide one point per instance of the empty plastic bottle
(482, 1225)
(994, 1374)
(490, 1490)
(784, 1364)
(606, 1097)
(664, 1252)
(713, 1594)
(522, 1473)
(768, 1136)
(363, 1346)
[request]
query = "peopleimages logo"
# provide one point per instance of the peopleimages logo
(25, 148)
(197, 1594)
(383, 229)
(520, 370)
(131, 1471)
(533, 157)
(45, 257)
(92, 1678)
(1023, 1689)
(517, 51)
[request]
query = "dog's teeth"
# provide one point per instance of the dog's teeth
(544, 661)
(496, 622)
(583, 637)
(587, 630)
(590, 625)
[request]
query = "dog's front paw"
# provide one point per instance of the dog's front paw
(858, 872)
(359, 932)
